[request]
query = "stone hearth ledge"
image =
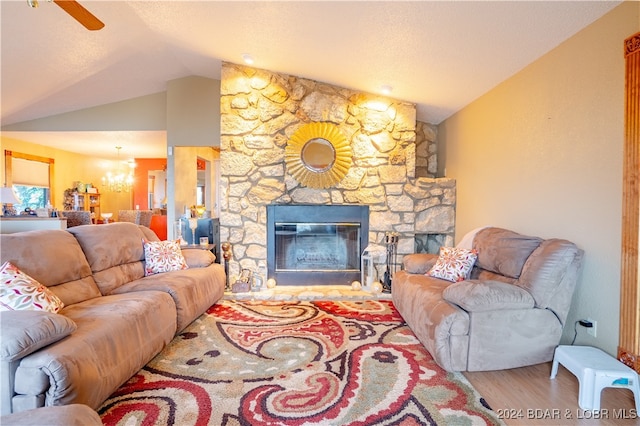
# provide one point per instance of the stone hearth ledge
(312, 292)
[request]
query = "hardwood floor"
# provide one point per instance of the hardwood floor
(527, 396)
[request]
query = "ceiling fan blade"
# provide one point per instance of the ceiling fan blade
(80, 14)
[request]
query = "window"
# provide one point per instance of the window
(32, 197)
(31, 177)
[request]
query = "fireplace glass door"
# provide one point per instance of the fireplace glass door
(316, 244)
(317, 247)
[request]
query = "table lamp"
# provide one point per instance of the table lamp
(7, 196)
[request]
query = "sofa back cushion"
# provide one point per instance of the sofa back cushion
(550, 274)
(502, 251)
(115, 253)
(484, 275)
(53, 258)
(149, 234)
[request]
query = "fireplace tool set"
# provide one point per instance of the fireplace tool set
(391, 242)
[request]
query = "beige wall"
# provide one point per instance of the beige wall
(142, 113)
(542, 154)
(69, 168)
(193, 120)
(189, 111)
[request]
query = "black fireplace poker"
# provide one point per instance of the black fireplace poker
(391, 242)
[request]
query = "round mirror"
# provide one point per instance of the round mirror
(318, 155)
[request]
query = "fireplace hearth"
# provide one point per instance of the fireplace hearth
(316, 244)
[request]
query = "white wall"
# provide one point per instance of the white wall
(541, 154)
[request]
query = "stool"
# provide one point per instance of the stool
(595, 371)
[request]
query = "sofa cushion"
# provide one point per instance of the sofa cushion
(20, 292)
(149, 234)
(545, 271)
(193, 290)
(163, 256)
(419, 263)
(115, 338)
(198, 258)
(478, 296)
(115, 253)
(53, 258)
(502, 251)
(67, 415)
(24, 332)
(109, 245)
(440, 326)
(453, 264)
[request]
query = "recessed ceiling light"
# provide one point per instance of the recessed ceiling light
(386, 89)
(248, 59)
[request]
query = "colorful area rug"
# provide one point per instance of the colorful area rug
(296, 363)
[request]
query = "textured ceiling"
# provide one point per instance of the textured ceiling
(439, 55)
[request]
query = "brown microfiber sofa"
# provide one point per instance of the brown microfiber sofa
(114, 320)
(509, 313)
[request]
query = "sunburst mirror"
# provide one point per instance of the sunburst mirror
(318, 155)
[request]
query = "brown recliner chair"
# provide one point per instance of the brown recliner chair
(509, 313)
(139, 217)
(76, 218)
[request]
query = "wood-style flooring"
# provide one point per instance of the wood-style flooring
(527, 396)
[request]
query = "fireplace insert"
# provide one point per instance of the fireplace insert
(316, 244)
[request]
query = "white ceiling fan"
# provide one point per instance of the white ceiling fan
(77, 11)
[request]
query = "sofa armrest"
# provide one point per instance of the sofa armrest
(24, 332)
(198, 258)
(419, 263)
(58, 415)
(479, 296)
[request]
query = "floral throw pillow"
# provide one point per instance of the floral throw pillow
(453, 264)
(18, 292)
(163, 256)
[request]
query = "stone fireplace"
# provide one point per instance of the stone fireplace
(392, 158)
(310, 244)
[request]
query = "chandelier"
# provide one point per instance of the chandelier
(119, 180)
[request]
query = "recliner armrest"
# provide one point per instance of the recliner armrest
(24, 332)
(198, 258)
(479, 296)
(419, 263)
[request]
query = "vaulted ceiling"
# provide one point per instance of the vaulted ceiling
(440, 55)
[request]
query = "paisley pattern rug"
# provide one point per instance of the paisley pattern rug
(296, 363)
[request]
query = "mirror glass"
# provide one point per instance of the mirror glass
(195, 179)
(318, 154)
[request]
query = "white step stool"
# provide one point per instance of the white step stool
(595, 370)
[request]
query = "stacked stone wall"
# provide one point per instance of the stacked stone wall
(260, 110)
(426, 150)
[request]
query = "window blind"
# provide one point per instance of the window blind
(30, 173)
